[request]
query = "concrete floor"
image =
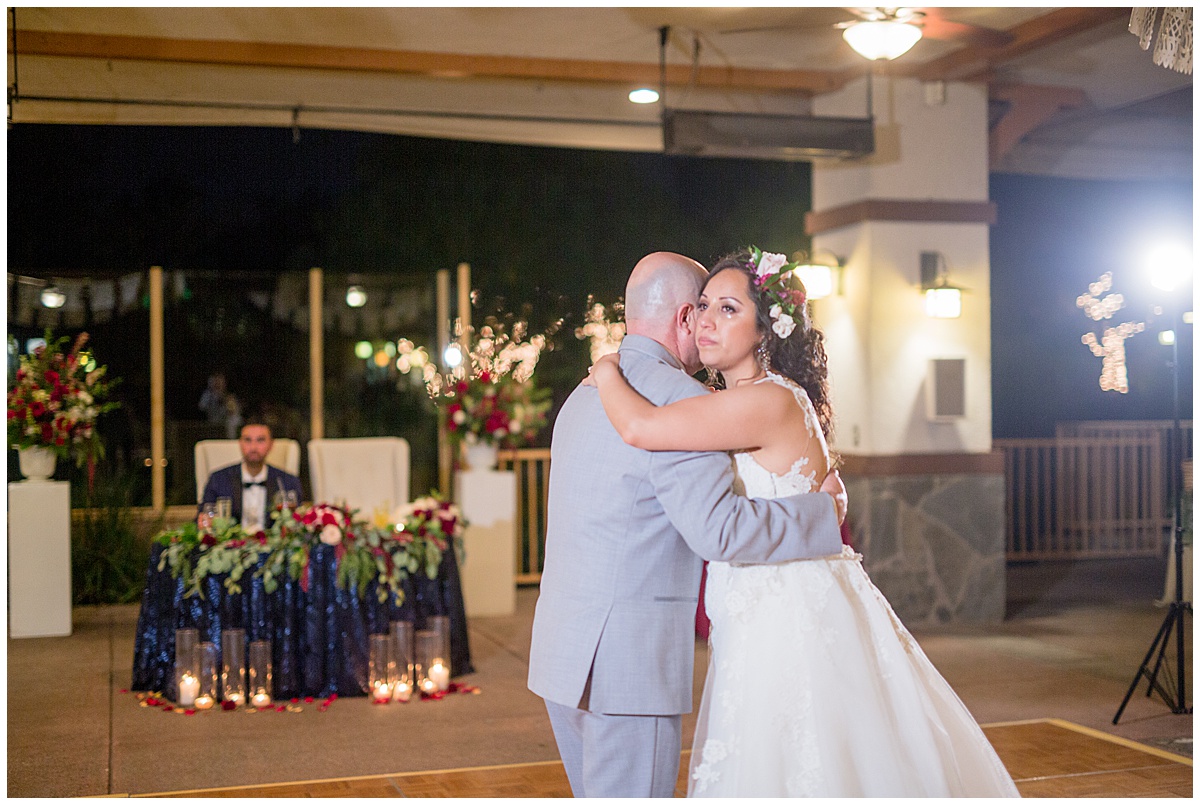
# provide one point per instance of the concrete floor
(1071, 643)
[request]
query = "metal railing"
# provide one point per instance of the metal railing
(1098, 489)
(532, 469)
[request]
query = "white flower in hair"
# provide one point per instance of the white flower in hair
(770, 263)
(784, 324)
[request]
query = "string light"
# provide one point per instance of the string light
(1110, 346)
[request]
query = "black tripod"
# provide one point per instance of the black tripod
(1173, 623)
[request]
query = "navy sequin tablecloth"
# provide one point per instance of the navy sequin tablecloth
(319, 637)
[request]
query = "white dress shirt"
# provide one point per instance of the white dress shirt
(254, 500)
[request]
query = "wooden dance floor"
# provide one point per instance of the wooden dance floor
(1047, 758)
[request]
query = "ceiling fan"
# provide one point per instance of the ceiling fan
(885, 33)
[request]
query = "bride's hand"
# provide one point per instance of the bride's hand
(833, 486)
(605, 363)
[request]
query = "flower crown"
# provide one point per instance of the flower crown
(771, 273)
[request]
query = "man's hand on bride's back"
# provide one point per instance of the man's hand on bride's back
(605, 363)
(833, 486)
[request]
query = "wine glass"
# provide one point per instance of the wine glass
(207, 512)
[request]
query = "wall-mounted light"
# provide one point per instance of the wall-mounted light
(644, 95)
(942, 300)
(822, 277)
(356, 296)
(882, 39)
(52, 297)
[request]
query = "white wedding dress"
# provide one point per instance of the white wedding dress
(816, 689)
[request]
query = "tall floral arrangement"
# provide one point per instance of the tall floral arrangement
(57, 398)
(492, 397)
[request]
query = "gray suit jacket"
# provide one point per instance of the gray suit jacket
(626, 534)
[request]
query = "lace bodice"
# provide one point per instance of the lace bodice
(756, 481)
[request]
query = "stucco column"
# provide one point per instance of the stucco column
(927, 495)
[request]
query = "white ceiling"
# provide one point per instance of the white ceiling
(560, 75)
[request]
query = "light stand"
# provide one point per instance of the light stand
(1173, 622)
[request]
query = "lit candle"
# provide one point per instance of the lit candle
(428, 686)
(439, 674)
(189, 686)
(204, 702)
(402, 692)
(260, 699)
(383, 692)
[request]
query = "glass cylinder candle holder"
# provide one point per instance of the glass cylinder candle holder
(403, 656)
(233, 665)
(431, 666)
(259, 673)
(187, 666)
(440, 625)
(379, 686)
(209, 661)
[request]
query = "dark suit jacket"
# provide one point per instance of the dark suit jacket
(227, 483)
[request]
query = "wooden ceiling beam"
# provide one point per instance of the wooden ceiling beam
(1029, 107)
(322, 57)
(975, 63)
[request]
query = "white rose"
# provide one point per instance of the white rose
(459, 417)
(784, 325)
(775, 311)
(513, 426)
(331, 535)
(770, 263)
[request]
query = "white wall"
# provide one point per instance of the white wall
(879, 340)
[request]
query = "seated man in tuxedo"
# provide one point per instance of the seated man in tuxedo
(251, 485)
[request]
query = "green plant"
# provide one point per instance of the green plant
(108, 554)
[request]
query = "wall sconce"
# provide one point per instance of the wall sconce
(52, 297)
(942, 300)
(356, 296)
(820, 279)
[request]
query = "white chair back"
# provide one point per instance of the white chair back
(365, 474)
(213, 454)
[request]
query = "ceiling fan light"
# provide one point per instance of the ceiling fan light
(885, 39)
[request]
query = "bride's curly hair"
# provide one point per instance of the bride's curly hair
(799, 357)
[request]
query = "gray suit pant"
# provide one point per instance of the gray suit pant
(616, 755)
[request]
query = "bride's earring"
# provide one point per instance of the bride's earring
(760, 352)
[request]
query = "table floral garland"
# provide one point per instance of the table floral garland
(387, 552)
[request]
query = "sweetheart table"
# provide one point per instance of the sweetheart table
(319, 636)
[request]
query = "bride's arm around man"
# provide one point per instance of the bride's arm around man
(627, 533)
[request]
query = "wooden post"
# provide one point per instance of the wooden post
(158, 453)
(445, 460)
(316, 354)
(464, 314)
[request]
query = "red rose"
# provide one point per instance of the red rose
(329, 519)
(228, 705)
(51, 376)
(208, 539)
(37, 408)
(261, 536)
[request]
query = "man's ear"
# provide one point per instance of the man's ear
(685, 318)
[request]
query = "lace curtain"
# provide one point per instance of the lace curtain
(1173, 49)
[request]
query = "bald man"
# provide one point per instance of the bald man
(628, 530)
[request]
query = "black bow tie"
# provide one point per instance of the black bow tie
(248, 484)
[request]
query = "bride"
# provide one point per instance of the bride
(814, 686)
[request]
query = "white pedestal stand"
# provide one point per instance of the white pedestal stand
(39, 559)
(488, 499)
